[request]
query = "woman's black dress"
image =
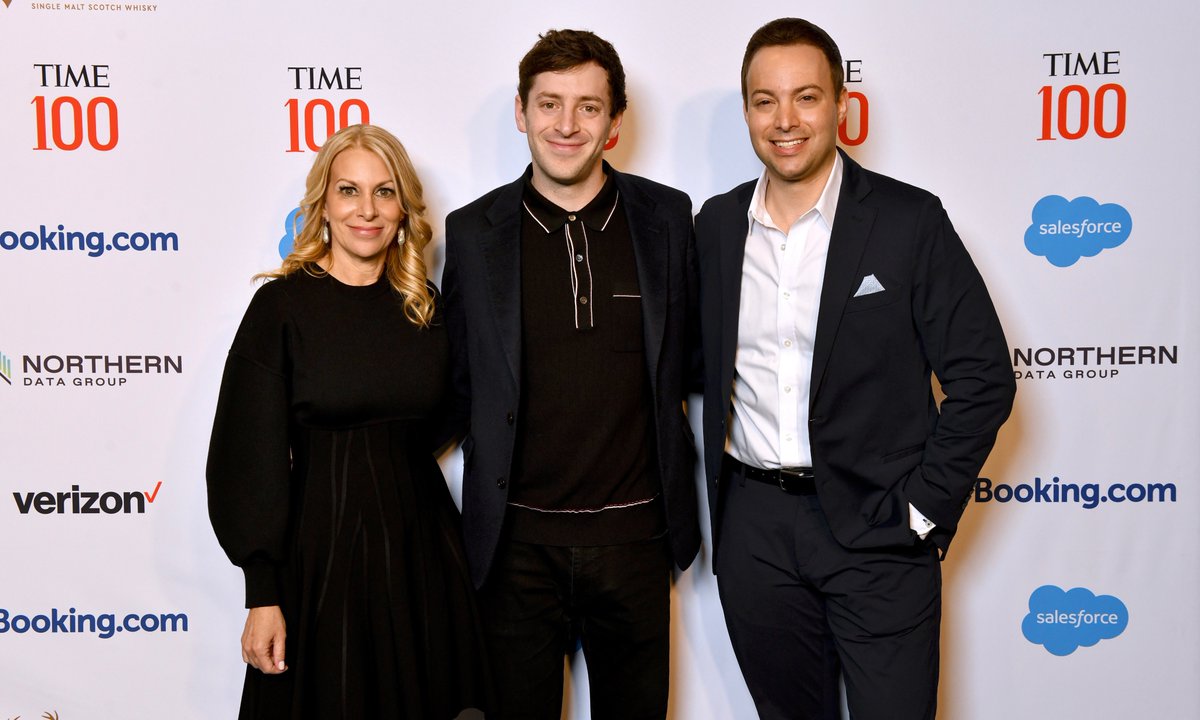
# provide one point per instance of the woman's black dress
(324, 489)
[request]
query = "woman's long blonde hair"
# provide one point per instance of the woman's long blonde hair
(404, 264)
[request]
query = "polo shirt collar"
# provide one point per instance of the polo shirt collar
(596, 214)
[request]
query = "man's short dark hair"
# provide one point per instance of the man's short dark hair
(794, 31)
(560, 50)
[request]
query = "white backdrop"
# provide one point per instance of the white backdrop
(173, 120)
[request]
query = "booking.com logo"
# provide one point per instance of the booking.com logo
(92, 243)
(1063, 231)
(1088, 495)
(102, 625)
(1063, 621)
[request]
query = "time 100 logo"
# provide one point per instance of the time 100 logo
(312, 121)
(66, 122)
(1072, 111)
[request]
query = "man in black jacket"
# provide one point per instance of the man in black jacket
(828, 296)
(567, 294)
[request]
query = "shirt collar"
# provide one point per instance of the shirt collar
(596, 214)
(826, 205)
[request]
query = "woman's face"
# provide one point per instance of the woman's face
(362, 207)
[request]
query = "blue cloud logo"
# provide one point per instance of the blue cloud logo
(295, 220)
(1063, 231)
(1062, 621)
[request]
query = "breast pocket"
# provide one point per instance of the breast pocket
(876, 293)
(626, 319)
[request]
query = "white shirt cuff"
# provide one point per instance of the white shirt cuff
(920, 524)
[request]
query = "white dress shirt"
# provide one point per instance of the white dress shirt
(782, 276)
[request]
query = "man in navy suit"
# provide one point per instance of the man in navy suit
(829, 294)
(567, 298)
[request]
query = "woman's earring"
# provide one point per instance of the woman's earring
(325, 233)
(400, 236)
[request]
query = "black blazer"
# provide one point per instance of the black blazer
(481, 285)
(878, 439)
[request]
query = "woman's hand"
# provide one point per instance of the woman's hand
(263, 639)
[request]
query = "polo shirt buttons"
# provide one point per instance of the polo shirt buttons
(509, 418)
(501, 483)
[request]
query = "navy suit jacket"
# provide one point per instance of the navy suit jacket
(879, 441)
(481, 285)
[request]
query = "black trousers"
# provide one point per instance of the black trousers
(798, 605)
(540, 600)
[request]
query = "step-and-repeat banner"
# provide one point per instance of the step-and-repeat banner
(151, 156)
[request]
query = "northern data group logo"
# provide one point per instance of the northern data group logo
(86, 370)
(1063, 231)
(1063, 621)
(1088, 362)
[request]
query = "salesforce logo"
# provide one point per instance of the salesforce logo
(295, 220)
(1062, 621)
(1063, 231)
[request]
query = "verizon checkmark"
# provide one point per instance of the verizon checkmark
(151, 495)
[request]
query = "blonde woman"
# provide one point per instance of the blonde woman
(322, 482)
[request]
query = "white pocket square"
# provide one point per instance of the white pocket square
(869, 286)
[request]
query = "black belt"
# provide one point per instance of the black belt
(793, 481)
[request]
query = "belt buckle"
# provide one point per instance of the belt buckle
(786, 474)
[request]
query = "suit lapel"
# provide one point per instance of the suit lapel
(651, 255)
(851, 232)
(501, 249)
(735, 225)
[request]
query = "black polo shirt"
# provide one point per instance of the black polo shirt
(585, 471)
